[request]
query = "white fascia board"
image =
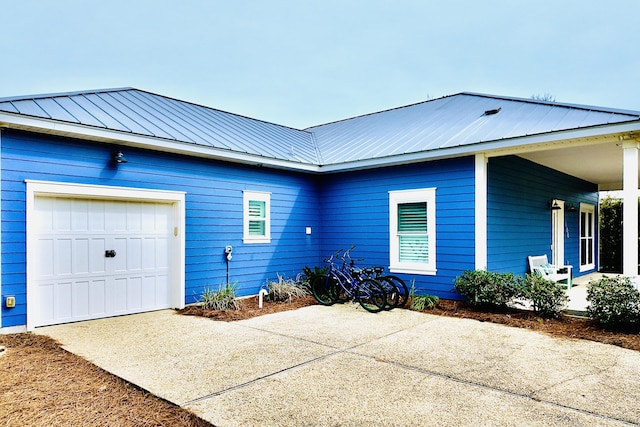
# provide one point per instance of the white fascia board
(498, 147)
(52, 127)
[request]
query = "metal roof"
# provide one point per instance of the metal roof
(455, 124)
(133, 111)
(454, 121)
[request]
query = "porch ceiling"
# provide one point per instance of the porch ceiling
(598, 163)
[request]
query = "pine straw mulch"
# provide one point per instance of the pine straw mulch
(43, 385)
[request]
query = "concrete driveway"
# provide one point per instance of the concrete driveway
(342, 366)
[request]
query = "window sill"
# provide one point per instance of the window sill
(252, 241)
(405, 270)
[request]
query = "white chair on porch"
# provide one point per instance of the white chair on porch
(539, 264)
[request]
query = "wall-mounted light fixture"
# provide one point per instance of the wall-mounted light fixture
(118, 157)
(554, 205)
(571, 208)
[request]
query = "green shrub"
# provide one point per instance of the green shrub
(481, 287)
(286, 289)
(547, 297)
(613, 301)
(223, 298)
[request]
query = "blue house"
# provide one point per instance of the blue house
(121, 201)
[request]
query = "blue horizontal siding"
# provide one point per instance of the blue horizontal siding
(214, 206)
(519, 215)
(355, 210)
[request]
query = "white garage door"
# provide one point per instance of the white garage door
(99, 258)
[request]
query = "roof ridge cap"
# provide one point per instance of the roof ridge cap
(585, 107)
(59, 94)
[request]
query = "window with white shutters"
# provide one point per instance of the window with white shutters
(412, 231)
(257, 218)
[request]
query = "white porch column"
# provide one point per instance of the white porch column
(481, 212)
(630, 209)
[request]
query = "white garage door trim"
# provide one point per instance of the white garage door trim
(98, 192)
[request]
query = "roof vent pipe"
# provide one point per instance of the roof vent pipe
(492, 112)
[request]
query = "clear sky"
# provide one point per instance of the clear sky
(301, 63)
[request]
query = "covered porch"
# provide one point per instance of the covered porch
(610, 160)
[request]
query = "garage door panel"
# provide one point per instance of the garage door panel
(62, 215)
(80, 256)
(46, 262)
(117, 296)
(134, 293)
(80, 299)
(79, 213)
(45, 302)
(97, 259)
(162, 253)
(134, 217)
(63, 301)
(98, 298)
(116, 217)
(76, 281)
(96, 213)
(149, 251)
(63, 256)
(134, 254)
(162, 291)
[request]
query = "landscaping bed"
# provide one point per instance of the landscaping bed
(43, 385)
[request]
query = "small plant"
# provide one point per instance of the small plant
(223, 298)
(613, 301)
(482, 287)
(286, 289)
(547, 297)
(424, 302)
(421, 302)
(309, 274)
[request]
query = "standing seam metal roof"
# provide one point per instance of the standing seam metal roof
(143, 113)
(451, 121)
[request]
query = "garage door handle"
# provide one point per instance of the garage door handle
(110, 253)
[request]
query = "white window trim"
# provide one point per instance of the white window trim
(411, 196)
(262, 197)
(587, 208)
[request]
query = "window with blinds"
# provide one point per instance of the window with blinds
(257, 220)
(412, 231)
(413, 239)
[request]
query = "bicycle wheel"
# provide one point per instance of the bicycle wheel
(393, 293)
(324, 288)
(371, 295)
(403, 291)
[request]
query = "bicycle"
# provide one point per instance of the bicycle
(397, 291)
(339, 284)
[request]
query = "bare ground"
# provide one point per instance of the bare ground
(43, 385)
